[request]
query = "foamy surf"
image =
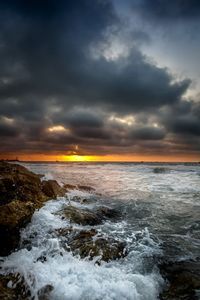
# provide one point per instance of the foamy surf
(160, 221)
(75, 278)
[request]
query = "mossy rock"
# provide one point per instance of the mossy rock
(81, 216)
(108, 213)
(88, 243)
(13, 216)
(13, 287)
(17, 182)
(89, 217)
(21, 192)
(52, 189)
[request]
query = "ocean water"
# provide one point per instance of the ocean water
(160, 205)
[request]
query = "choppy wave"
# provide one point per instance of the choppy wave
(73, 278)
(160, 218)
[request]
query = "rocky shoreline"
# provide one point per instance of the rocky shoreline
(22, 192)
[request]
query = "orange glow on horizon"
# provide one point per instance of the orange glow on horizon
(103, 158)
(78, 158)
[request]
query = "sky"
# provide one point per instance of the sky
(108, 80)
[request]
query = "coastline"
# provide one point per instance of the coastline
(183, 277)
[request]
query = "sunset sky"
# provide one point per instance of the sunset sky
(107, 80)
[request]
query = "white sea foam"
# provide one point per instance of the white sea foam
(71, 277)
(150, 203)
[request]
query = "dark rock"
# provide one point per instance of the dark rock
(89, 217)
(87, 243)
(107, 248)
(44, 292)
(16, 182)
(13, 216)
(21, 192)
(183, 280)
(64, 231)
(86, 188)
(159, 170)
(82, 200)
(13, 287)
(108, 213)
(81, 216)
(52, 189)
(69, 187)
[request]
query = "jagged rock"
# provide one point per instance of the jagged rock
(44, 292)
(85, 245)
(88, 243)
(183, 280)
(83, 188)
(81, 216)
(64, 231)
(13, 216)
(69, 187)
(86, 188)
(17, 182)
(21, 192)
(108, 213)
(89, 217)
(82, 200)
(13, 287)
(52, 189)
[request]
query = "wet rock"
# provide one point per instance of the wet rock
(13, 287)
(85, 245)
(83, 188)
(88, 243)
(44, 292)
(183, 280)
(159, 170)
(21, 192)
(17, 182)
(108, 213)
(69, 187)
(13, 216)
(52, 189)
(87, 216)
(86, 188)
(64, 231)
(81, 216)
(82, 200)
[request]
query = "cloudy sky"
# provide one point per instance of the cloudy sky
(108, 79)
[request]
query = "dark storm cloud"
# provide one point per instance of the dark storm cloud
(186, 125)
(183, 119)
(7, 129)
(164, 10)
(89, 132)
(148, 133)
(84, 119)
(55, 59)
(56, 70)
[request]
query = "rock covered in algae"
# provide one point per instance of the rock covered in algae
(21, 192)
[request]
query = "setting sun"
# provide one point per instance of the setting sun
(78, 158)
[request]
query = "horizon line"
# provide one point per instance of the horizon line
(139, 161)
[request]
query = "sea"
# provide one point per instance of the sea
(160, 207)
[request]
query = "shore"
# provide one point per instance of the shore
(23, 193)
